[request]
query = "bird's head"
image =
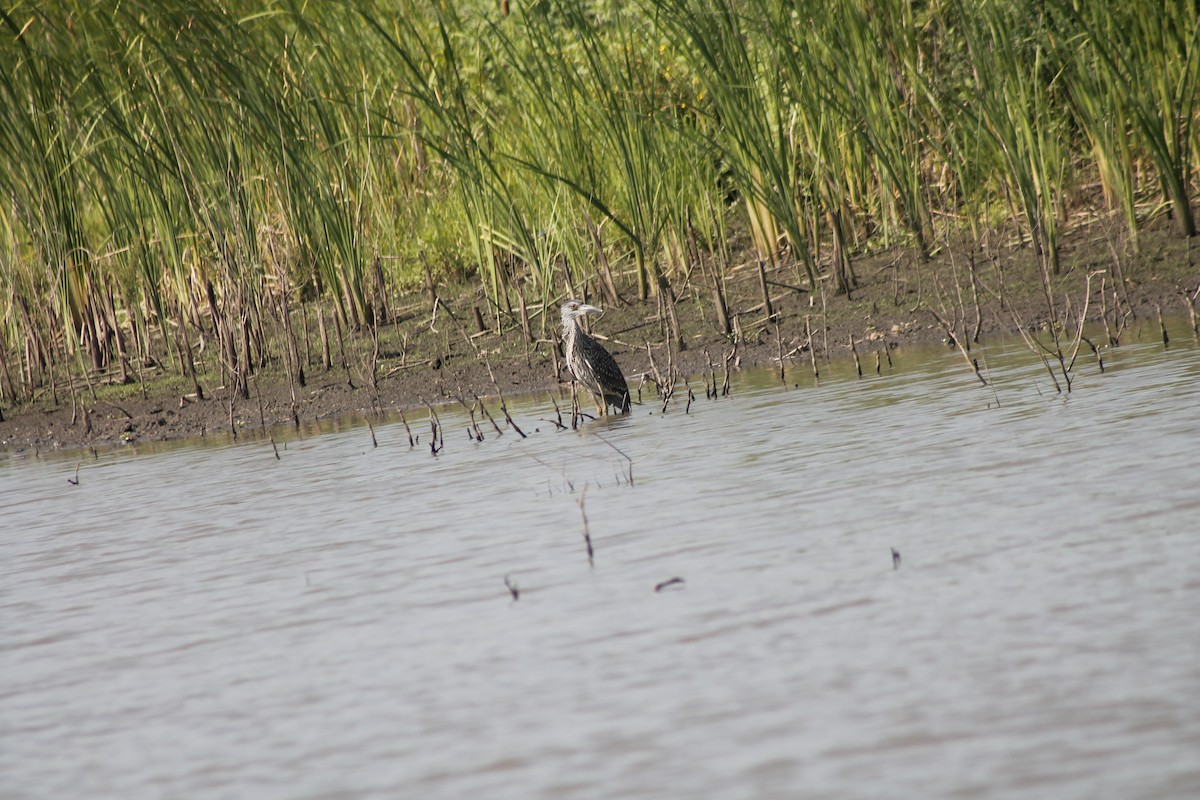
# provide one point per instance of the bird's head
(573, 309)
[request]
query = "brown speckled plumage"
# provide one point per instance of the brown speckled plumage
(589, 363)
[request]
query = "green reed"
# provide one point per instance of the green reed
(746, 117)
(179, 173)
(1024, 138)
(1137, 75)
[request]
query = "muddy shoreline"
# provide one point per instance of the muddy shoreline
(424, 357)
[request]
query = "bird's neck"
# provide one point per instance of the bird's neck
(572, 335)
(571, 330)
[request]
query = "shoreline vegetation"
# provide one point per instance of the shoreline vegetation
(224, 215)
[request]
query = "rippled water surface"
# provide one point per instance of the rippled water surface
(212, 622)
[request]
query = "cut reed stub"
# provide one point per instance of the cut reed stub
(895, 559)
(513, 589)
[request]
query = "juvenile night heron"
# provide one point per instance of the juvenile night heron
(590, 363)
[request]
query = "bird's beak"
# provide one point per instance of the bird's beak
(585, 309)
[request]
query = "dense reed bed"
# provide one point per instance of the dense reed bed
(196, 181)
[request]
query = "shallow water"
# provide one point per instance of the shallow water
(204, 621)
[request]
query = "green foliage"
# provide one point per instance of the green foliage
(1024, 132)
(1135, 82)
(176, 165)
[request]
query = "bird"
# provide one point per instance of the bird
(589, 363)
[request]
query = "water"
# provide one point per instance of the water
(211, 622)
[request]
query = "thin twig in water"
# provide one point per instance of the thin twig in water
(473, 431)
(1191, 307)
(407, 430)
(1087, 298)
(729, 359)
(503, 405)
(1040, 350)
(1104, 314)
(958, 344)
(629, 474)
(664, 383)
(513, 589)
(261, 416)
(667, 583)
(587, 538)
(436, 445)
(483, 410)
(779, 348)
(712, 371)
(557, 414)
(990, 383)
(812, 356)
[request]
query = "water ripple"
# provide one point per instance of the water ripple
(213, 622)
